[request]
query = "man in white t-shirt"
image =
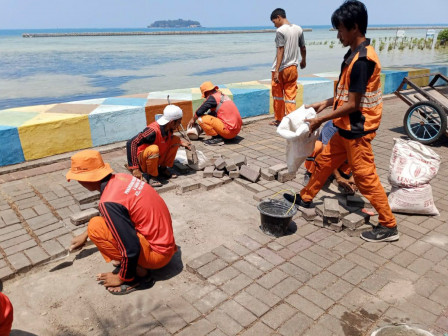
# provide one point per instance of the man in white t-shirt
(288, 40)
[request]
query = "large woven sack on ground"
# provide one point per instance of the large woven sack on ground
(299, 142)
(417, 200)
(181, 156)
(412, 164)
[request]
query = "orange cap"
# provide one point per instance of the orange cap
(207, 86)
(88, 166)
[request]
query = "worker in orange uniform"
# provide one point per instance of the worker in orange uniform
(357, 107)
(223, 121)
(6, 315)
(151, 152)
(288, 40)
(343, 174)
(135, 228)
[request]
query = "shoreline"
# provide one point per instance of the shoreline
(28, 35)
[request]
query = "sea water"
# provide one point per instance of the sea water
(37, 71)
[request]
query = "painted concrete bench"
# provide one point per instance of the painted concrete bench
(33, 132)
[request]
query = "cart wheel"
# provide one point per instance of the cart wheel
(425, 122)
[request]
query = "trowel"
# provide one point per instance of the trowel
(66, 263)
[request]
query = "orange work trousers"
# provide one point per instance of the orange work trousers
(361, 161)
(310, 165)
(214, 126)
(101, 236)
(151, 159)
(284, 92)
(6, 315)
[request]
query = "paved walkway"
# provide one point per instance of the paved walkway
(313, 282)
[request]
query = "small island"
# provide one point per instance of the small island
(179, 23)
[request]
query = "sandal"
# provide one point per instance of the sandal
(154, 183)
(275, 123)
(165, 172)
(131, 286)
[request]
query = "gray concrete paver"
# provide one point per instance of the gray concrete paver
(308, 282)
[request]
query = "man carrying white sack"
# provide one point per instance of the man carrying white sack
(356, 111)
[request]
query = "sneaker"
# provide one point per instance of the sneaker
(381, 234)
(214, 141)
(299, 201)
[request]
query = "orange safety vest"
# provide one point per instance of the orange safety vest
(160, 141)
(146, 209)
(227, 112)
(367, 119)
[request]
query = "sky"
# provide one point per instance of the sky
(44, 14)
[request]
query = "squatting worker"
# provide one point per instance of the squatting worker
(223, 121)
(134, 230)
(288, 40)
(356, 112)
(154, 149)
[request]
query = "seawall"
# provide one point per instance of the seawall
(34, 132)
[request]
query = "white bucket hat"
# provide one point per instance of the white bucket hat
(171, 112)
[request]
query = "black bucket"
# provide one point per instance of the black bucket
(275, 217)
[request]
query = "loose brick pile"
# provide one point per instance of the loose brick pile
(341, 212)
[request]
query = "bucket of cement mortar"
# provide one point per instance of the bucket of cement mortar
(400, 330)
(275, 217)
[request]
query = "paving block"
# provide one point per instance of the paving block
(331, 207)
(354, 220)
(19, 261)
(308, 213)
(285, 176)
(360, 229)
(87, 197)
(20, 247)
(320, 209)
(241, 181)
(252, 173)
(200, 261)
(319, 221)
(230, 165)
(234, 174)
(187, 186)
(254, 187)
(239, 160)
(220, 163)
(263, 195)
(337, 227)
(277, 168)
(226, 179)
(208, 184)
(6, 272)
(208, 171)
(37, 255)
(266, 175)
(166, 187)
(92, 205)
(218, 173)
(83, 216)
(355, 201)
(53, 248)
(9, 217)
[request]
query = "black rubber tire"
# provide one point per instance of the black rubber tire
(418, 133)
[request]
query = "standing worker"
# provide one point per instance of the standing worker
(288, 40)
(357, 107)
(154, 149)
(223, 121)
(134, 230)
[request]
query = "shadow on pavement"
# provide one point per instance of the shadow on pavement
(174, 267)
(16, 332)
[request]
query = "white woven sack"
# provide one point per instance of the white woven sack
(412, 164)
(299, 142)
(417, 200)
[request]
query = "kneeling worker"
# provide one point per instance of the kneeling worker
(224, 120)
(154, 149)
(135, 228)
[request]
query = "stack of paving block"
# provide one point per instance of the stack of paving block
(342, 212)
(88, 202)
(219, 171)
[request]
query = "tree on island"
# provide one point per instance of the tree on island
(179, 23)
